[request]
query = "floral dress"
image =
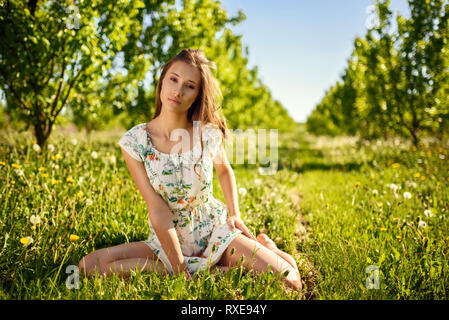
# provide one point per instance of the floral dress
(200, 219)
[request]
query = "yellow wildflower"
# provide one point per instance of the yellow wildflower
(79, 194)
(417, 175)
(58, 156)
(395, 165)
(41, 169)
(45, 175)
(54, 181)
(383, 229)
(73, 237)
(2, 163)
(357, 184)
(26, 240)
(15, 165)
(423, 178)
(69, 179)
(13, 182)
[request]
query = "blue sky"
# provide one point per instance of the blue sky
(301, 46)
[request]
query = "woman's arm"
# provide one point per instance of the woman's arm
(159, 213)
(226, 177)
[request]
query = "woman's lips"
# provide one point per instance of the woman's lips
(174, 101)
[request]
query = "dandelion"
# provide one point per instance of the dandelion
(73, 237)
(94, 155)
(242, 191)
(19, 172)
(417, 175)
(45, 175)
(58, 156)
(50, 147)
(393, 187)
(36, 147)
(41, 169)
(53, 182)
(35, 219)
(26, 241)
(357, 184)
(375, 192)
(422, 224)
(258, 182)
(280, 201)
(407, 195)
(69, 179)
(89, 202)
(428, 213)
(2, 163)
(112, 159)
(442, 157)
(79, 194)
(15, 166)
(74, 141)
(395, 165)
(383, 229)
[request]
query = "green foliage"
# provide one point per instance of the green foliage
(395, 83)
(99, 60)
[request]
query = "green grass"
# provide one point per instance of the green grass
(320, 207)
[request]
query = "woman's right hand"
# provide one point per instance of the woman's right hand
(183, 268)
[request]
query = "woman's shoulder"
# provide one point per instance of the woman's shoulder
(137, 130)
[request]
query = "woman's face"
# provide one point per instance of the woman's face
(180, 87)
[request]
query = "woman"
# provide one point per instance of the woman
(190, 230)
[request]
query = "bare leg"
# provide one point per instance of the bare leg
(121, 259)
(263, 239)
(257, 258)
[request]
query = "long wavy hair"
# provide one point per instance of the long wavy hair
(205, 107)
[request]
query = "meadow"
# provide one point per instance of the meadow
(341, 206)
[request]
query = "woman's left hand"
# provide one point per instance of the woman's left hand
(236, 222)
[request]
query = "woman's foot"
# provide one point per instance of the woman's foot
(264, 240)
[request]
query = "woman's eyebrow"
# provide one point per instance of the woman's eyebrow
(178, 76)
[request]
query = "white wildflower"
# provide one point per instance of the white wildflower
(36, 147)
(74, 141)
(112, 159)
(258, 182)
(94, 155)
(428, 213)
(442, 157)
(375, 192)
(89, 202)
(393, 187)
(35, 219)
(422, 224)
(242, 191)
(407, 195)
(19, 172)
(50, 147)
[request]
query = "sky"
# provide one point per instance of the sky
(301, 47)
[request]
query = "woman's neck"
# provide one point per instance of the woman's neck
(166, 123)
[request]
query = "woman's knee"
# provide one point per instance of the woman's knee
(90, 263)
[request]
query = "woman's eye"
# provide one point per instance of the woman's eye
(174, 79)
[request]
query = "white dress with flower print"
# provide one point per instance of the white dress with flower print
(200, 219)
